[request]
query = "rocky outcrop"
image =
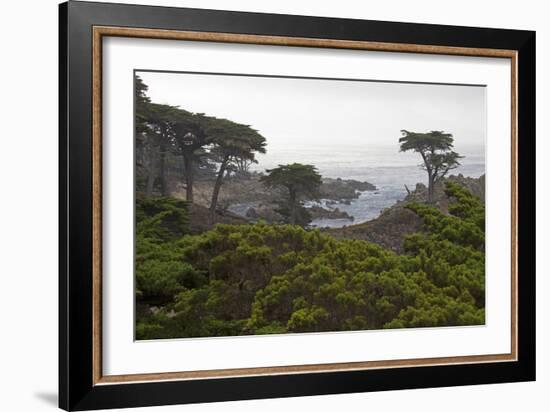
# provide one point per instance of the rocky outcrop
(234, 190)
(476, 186)
(318, 212)
(343, 189)
(265, 212)
(388, 230)
(201, 220)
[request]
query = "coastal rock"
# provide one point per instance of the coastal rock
(343, 189)
(476, 186)
(265, 212)
(201, 219)
(318, 212)
(251, 213)
(388, 230)
(235, 190)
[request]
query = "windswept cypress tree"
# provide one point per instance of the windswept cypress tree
(435, 148)
(302, 182)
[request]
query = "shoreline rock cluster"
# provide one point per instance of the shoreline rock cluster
(260, 203)
(318, 212)
(343, 189)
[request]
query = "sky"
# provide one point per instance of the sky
(294, 112)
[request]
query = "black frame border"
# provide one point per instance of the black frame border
(76, 388)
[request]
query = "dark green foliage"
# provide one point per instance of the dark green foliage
(262, 279)
(160, 272)
(161, 219)
(452, 254)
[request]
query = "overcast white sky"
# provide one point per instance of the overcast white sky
(323, 112)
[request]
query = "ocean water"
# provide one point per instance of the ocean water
(385, 167)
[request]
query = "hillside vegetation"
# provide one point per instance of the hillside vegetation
(240, 279)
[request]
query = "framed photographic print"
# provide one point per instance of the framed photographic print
(256, 205)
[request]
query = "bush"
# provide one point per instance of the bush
(261, 279)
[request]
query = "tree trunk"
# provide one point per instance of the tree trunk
(292, 198)
(162, 171)
(150, 183)
(430, 188)
(188, 165)
(217, 186)
(430, 176)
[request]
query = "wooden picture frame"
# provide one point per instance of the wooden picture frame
(82, 384)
